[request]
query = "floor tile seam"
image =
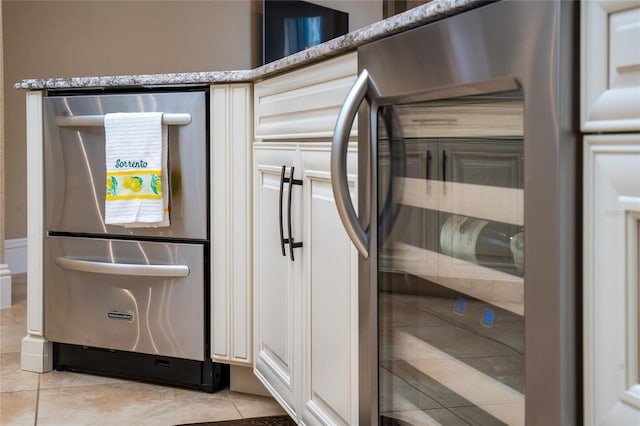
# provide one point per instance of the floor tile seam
(35, 417)
(120, 382)
(72, 386)
(2, 354)
(3, 394)
(234, 405)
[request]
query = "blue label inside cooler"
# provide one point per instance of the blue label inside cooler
(460, 306)
(488, 318)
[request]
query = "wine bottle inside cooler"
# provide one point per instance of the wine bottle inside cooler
(495, 245)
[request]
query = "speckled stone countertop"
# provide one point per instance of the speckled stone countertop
(434, 10)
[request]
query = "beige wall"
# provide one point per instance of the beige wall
(1, 142)
(80, 38)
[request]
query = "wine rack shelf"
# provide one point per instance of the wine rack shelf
(463, 119)
(498, 288)
(484, 202)
(494, 397)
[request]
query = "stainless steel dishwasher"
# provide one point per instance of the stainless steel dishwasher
(127, 301)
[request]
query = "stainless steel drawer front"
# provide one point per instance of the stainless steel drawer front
(75, 162)
(126, 295)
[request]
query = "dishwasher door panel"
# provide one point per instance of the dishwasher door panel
(144, 297)
(75, 169)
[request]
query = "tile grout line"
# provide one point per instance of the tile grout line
(234, 404)
(35, 420)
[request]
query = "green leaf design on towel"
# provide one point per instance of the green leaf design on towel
(156, 185)
(112, 186)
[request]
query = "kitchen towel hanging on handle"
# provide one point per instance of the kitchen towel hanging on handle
(136, 146)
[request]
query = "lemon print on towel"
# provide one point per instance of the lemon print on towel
(141, 184)
(132, 183)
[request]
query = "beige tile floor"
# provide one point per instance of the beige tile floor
(66, 398)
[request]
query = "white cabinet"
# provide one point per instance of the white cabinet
(610, 119)
(329, 285)
(276, 285)
(305, 302)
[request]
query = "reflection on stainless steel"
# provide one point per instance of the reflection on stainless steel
(167, 329)
(137, 314)
(148, 323)
(92, 185)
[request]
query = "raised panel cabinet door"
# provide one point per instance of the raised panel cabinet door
(276, 296)
(330, 278)
(610, 66)
(611, 302)
(483, 163)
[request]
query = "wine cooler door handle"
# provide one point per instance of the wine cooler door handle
(282, 240)
(362, 89)
(140, 270)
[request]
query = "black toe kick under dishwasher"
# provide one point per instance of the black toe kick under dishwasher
(121, 300)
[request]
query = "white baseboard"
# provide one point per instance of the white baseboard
(15, 255)
(37, 354)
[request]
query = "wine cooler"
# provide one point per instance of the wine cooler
(467, 228)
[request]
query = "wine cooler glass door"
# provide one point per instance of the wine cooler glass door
(451, 261)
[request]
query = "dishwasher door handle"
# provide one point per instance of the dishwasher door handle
(131, 269)
(170, 119)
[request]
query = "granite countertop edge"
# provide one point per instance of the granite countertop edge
(432, 11)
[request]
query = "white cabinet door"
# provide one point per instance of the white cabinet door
(611, 279)
(330, 373)
(276, 289)
(305, 308)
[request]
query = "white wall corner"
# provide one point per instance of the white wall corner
(37, 354)
(243, 380)
(5, 286)
(15, 255)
